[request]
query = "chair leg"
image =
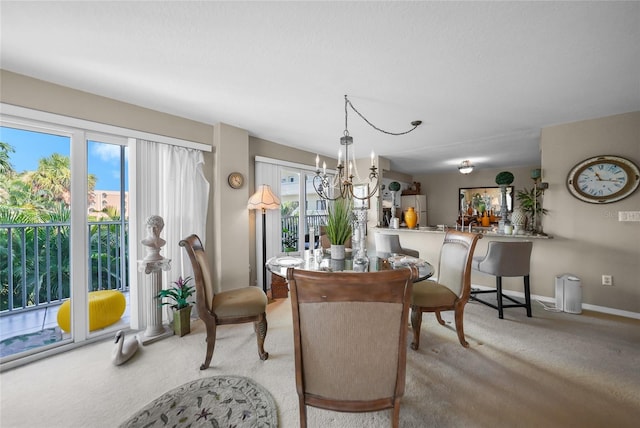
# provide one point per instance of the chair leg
(260, 328)
(395, 420)
(303, 411)
(416, 324)
(527, 295)
(499, 296)
(211, 344)
(459, 314)
(439, 317)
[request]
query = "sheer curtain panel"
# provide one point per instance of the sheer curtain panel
(171, 184)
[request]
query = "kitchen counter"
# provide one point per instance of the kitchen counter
(428, 242)
(488, 232)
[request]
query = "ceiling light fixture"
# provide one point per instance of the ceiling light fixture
(341, 185)
(466, 167)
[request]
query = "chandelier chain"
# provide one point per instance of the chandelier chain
(415, 123)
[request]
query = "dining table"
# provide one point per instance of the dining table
(322, 261)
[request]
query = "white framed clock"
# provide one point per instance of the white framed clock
(603, 179)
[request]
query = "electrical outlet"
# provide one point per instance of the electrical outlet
(607, 280)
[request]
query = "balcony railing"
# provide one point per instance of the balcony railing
(35, 260)
(290, 229)
(35, 263)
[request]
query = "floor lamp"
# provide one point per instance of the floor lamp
(264, 200)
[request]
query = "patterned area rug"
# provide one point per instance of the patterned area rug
(24, 342)
(218, 401)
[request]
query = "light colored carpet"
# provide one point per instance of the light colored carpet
(552, 370)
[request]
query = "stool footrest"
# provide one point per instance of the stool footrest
(515, 304)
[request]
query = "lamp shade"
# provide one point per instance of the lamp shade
(263, 199)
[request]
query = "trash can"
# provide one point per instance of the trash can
(569, 294)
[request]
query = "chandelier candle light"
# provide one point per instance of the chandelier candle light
(341, 186)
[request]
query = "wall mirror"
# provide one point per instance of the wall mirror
(484, 198)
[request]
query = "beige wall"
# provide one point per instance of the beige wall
(588, 240)
(591, 242)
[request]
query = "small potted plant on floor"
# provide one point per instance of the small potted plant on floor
(177, 298)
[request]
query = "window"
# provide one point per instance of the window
(42, 211)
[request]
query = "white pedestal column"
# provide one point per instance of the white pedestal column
(155, 329)
(153, 264)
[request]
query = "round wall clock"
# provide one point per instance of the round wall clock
(235, 180)
(603, 179)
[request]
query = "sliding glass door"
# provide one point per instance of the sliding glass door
(302, 211)
(63, 198)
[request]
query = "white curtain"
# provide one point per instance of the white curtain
(171, 184)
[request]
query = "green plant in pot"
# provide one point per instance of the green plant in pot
(177, 297)
(530, 204)
(338, 227)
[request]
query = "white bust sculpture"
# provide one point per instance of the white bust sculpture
(152, 241)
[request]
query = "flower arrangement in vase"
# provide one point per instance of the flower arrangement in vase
(178, 295)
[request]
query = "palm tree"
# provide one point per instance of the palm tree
(54, 176)
(5, 161)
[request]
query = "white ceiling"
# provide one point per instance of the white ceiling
(484, 77)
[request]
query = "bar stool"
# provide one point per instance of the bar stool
(505, 259)
(388, 244)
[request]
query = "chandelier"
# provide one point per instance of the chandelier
(341, 185)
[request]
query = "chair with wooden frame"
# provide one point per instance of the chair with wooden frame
(350, 339)
(452, 288)
(239, 305)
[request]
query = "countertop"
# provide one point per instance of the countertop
(485, 231)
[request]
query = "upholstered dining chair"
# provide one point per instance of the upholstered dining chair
(452, 288)
(349, 336)
(239, 305)
(388, 243)
(505, 259)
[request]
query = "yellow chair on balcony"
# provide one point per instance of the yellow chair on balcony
(105, 308)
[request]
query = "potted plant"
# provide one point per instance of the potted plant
(531, 206)
(338, 228)
(177, 298)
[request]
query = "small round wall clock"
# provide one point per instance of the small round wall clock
(235, 180)
(603, 179)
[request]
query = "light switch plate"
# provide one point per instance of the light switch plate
(628, 215)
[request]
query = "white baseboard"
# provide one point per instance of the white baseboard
(546, 299)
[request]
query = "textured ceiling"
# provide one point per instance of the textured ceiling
(484, 77)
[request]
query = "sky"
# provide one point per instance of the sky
(30, 147)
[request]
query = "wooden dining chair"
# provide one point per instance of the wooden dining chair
(350, 335)
(239, 305)
(451, 290)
